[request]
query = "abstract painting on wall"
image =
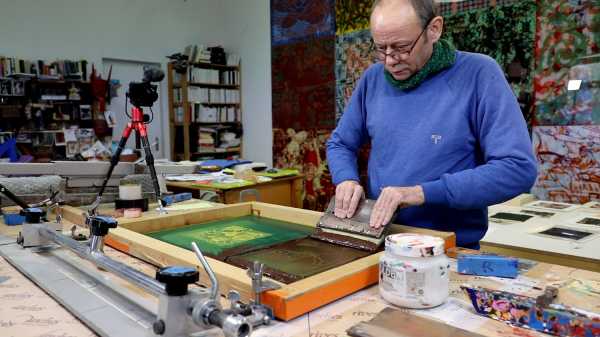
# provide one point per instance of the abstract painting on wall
(353, 55)
(305, 150)
(294, 20)
(351, 15)
(569, 163)
(303, 84)
(568, 36)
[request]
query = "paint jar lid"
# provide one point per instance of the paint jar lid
(414, 245)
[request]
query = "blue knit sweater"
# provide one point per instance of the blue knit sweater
(460, 135)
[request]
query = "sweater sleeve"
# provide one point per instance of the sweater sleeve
(347, 138)
(509, 167)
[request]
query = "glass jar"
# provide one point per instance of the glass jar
(413, 271)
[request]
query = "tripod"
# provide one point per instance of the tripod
(138, 124)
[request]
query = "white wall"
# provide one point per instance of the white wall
(249, 34)
(142, 30)
(148, 30)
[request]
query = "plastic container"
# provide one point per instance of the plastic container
(13, 219)
(413, 271)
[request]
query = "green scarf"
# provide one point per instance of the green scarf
(442, 57)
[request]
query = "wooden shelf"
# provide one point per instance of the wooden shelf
(217, 123)
(220, 104)
(183, 146)
(228, 150)
(212, 85)
(214, 66)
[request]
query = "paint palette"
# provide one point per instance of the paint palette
(523, 311)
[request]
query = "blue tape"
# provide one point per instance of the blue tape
(488, 265)
(171, 199)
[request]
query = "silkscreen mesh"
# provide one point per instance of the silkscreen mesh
(234, 235)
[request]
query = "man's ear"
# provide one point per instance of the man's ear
(435, 29)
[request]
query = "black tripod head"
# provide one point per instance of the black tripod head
(144, 93)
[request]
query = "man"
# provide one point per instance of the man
(447, 136)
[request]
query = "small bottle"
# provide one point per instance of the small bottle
(413, 271)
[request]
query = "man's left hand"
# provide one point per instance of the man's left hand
(390, 199)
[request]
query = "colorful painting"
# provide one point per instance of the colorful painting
(304, 150)
(569, 163)
(568, 32)
(506, 33)
(304, 85)
(295, 20)
(453, 7)
(523, 311)
(353, 55)
(351, 15)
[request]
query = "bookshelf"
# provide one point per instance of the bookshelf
(205, 111)
(48, 108)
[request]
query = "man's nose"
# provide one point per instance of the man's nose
(390, 61)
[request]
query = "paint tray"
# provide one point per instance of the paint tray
(353, 232)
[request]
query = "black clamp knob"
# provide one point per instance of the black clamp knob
(33, 214)
(177, 279)
(99, 225)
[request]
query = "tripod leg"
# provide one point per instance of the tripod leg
(150, 163)
(114, 160)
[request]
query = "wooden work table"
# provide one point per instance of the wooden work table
(522, 239)
(285, 191)
(27, 311)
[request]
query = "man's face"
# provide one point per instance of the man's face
(401, 41)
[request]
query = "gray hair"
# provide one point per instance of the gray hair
(425, 9)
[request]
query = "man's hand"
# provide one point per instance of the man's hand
(347, 195)
(392, 198)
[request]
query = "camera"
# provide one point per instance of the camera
(144, 94)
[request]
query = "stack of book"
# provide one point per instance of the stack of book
(206, 139)
(61, 69)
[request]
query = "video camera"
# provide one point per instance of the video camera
(143, 94)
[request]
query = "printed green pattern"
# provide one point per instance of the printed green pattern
(237, 235)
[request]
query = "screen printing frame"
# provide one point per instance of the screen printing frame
(288, 302)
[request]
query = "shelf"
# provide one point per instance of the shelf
(214, 66)
(33, 131)
(220, 104)
(216, 151)
(49, 81)
(216, 123)
(178, 104)
(43, 80)
(212, 85)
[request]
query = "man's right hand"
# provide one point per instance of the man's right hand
(347, 195)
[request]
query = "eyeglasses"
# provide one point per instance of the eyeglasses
(397, 53)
